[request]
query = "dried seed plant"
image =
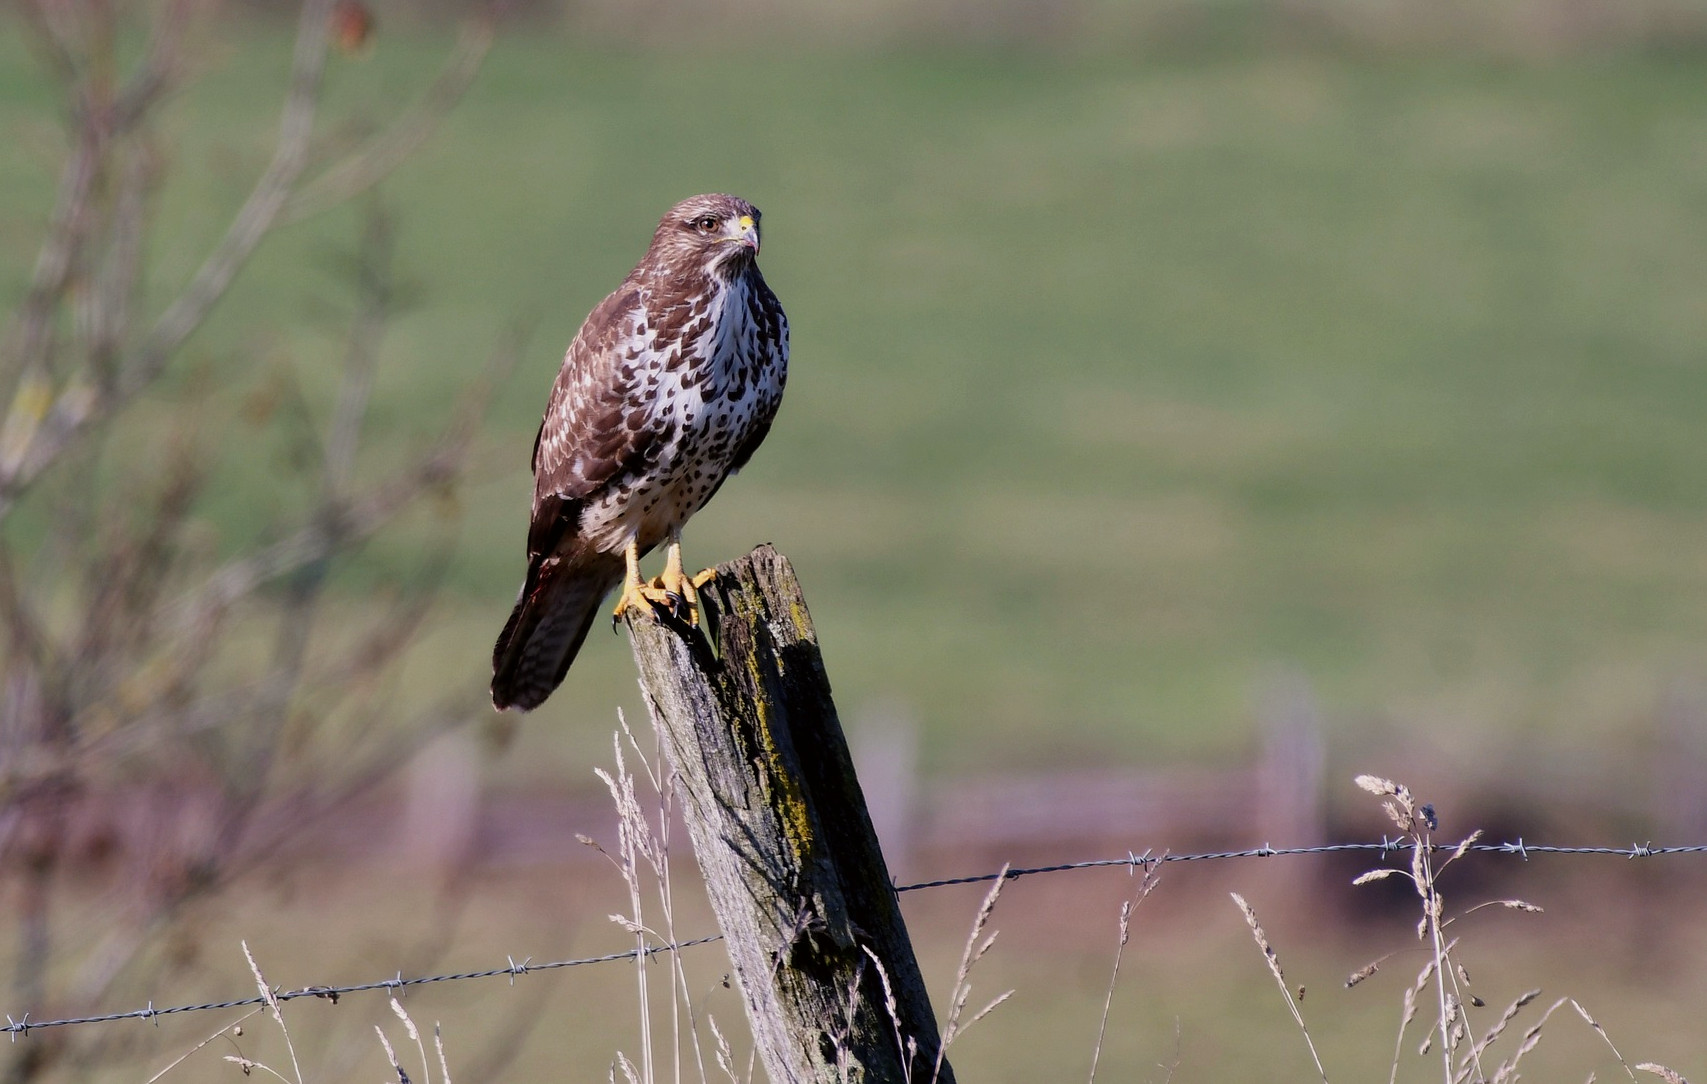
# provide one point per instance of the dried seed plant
(234, 1028)
(1450, 978)
(643, 855)
(414, 1034)
(1272, 958)
(191, 708)
(1462, 1053)
(274, 1010)
(906, 1045)
(726, 1056)
(973, 952)
(273, 1007)
(1152, 876)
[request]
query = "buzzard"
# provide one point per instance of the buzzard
(667, 389)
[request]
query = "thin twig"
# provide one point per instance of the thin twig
(382, 154)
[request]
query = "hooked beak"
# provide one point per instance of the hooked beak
(748, 237)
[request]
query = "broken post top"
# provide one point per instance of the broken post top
(758, 589)
(779, 824)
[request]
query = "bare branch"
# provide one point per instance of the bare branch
(376, 291)
(108, 321)
(25, 352)
(258, 212)
(78, 404)
(382, 154)
(162, 67)
(50, 40)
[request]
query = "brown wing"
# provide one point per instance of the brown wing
(593, 434)
(595, 429)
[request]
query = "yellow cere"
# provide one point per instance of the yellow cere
(746, 222)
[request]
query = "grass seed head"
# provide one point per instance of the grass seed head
(1376, 875)
(1365, 971)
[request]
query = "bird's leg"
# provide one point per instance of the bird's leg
(683, 590)
(636, 593)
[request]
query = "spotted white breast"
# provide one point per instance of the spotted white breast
(709, 395)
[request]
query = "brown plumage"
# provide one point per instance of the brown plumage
(666, 390)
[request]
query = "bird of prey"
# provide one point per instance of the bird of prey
(666, 390)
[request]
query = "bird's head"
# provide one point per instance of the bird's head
(716, 234)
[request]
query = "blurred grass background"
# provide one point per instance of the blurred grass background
(1127, 365)
(1116, 378)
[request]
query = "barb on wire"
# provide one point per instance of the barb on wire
(332, 993)
(1387, 846)
(1131, 860)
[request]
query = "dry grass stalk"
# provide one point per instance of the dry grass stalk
(414, 1033)
(1473, 1059)
(1407, 1013)
(234, 1026)
(1514, 905)
(969, 957)
(272, 1005)
(1172, 1065)
(1152, 875)
(907, 1046)
(1367, 971)
(1607, 1039)
(439, 1048)
(644, 848)
(839, 1034)
(663, 784)
(1449, 975)
(1507, 1071)
(249, 1067)
(1417, 823)
(627, 1068)
(1272, 958)
(391, 1055)
(633, 836)
(1670, 1076)
(725, 1057)
(274, 1009)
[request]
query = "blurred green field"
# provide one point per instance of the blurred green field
(1115, 382)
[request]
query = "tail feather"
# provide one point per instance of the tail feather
(556, 607)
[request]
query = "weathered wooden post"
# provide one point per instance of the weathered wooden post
(782, 835)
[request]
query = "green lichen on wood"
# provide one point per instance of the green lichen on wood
(802, 620)
(786, 795)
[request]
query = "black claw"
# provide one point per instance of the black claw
(678, 606)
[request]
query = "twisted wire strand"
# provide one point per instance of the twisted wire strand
(1132, 860)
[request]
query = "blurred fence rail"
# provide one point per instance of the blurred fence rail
(1132, 861)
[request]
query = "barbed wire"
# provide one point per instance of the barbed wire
(1387, 846)
(333, 993)
(1132, 860)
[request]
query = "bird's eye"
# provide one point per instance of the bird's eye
(707, 223)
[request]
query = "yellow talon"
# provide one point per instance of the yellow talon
(636, 593)
(670, 591)
(676, 584)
